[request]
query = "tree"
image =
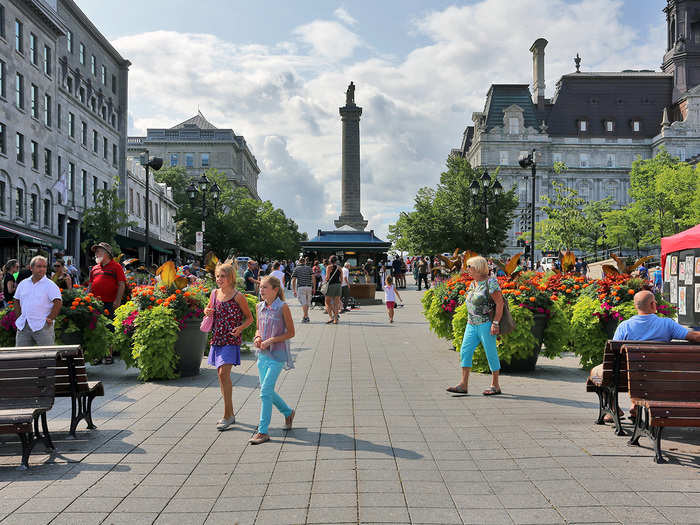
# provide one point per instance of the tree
(630, 227)
(565, 223)
(102, 222)
(446, 218)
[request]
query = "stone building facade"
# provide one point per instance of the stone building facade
(597, 123)
(197, 145)
(63, 124)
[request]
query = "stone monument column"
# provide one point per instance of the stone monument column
(350, 214)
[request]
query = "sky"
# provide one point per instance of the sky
(276, 72)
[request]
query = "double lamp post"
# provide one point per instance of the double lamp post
(202, 187)
(482, 191)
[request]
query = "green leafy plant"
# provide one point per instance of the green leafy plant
(124, 328)
(587, 334)
(557, 332)
(519, 344)
(439, 320)
(154, 343)
(83, 315)
(249, 333)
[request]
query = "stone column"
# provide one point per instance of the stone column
(350, 214)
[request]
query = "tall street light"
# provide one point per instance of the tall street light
(530, 162)
(202, 187)
(481, 191)
(154, 163)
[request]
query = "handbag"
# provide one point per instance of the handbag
(506, 325)
(324, 286)
(208, 322)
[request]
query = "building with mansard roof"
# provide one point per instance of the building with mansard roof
(597, 123)
(197, 145)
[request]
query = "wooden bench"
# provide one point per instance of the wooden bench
(26, 394)
(664, 385)
(72, 381)
(614, 380)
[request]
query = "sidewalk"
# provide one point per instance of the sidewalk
(376, 440)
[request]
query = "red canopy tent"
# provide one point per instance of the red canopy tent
(685, 240)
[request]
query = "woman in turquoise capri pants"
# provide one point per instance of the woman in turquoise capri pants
(484, 295)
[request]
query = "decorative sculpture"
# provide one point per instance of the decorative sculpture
(350, 95)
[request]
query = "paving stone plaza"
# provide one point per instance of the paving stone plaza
(376, 440)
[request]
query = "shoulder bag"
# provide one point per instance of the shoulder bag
(324, 286)
(506, 325)
(208, 322)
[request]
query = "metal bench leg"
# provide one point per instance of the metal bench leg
(658, 457)
(45, 431)
(616, 415)
(73, 416)
(601, 407)
(26, 449)
(88, 412)
(637, 431)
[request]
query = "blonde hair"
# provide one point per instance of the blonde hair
(479, 264)
(389, 280)
(229, 269)
(275, 283)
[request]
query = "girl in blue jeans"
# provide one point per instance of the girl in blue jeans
(275, 329)
(483, 297)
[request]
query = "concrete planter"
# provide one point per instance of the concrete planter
(190, 347)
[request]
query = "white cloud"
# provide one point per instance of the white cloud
(342, 14)
(284, 98)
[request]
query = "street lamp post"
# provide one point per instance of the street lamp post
(202, 187)
(155, 163)
(530, 162)
(481, 190)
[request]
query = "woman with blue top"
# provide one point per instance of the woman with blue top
(275, 329)
(483, 297)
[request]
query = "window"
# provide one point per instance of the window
(503, 161)
(103, 112)
(104, 148)
(103, 75)
(609, 126)
(138, 205)
(83, 133)
(19, 147)
(47, 213)
(19, 204)
(3, 195)
(113, 120)
(71, 125)
(189, 160)
(95, 141)
(681, 154)
(19, 91)
(636, 126)
(173, 159)
(2, 25)
(58, 115)
(58, 166)
(32, 48)
(93, 65)
(3, 139)
(114, 154)
(69, 40)
(610, 162)
(19, 36)
(585, 191)
(583, 126)
(83, 182)
(69, 84)
(2, 79)
(34, 93)
(47, 110)
(556, 157)
(114, 84)
(93, 104)
(205, 160)
(611, 190)
(583, 160)
(513, 125)
(47, 60)
(47, 162)
(131, 200)
(81, 54)
(33, 204)
(71, 180)
(94, 188)
(81, 94)
(34, 154)
(104, 186)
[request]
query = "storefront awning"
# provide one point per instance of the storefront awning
(7, 232)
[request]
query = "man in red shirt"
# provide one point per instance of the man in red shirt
(107, 281)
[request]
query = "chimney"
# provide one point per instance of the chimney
(537, 51)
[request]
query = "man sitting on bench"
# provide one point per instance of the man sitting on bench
(647, 326)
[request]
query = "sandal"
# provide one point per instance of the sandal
(329, 321)
(457, 390)
(491, 391)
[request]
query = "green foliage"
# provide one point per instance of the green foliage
(587, 333)
(122, 341)
(83, 314)
(556, 332)
(440, 321)
(445, 218)
(427, 299)
(249, 333)
(97, 340)
(154, 344)
(102, 222)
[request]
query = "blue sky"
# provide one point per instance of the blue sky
(276, 72)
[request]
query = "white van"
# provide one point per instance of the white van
(548, 263)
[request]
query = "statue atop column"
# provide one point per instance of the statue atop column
(350, 95)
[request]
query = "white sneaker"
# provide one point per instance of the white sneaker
(223, 424)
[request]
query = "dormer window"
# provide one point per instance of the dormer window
(609, 126)
(513, 125)
(583, 126)
(636, 126)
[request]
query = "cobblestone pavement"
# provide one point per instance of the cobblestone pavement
(376, 440)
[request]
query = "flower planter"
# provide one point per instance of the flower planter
(73, 338)
(609, 326)
(189, 347)
(527, 364)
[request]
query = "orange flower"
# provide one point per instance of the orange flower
(576, 287)
(532, 299)
(568, 290)
(461, 292)
(630, 291)
(76, 286)
(554, 298)
(106, 312)
(90, 308)
(152, 298)
(159, 301)
(517, 292)
(178, 291)
(72, 307)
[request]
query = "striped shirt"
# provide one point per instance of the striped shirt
(303, 274)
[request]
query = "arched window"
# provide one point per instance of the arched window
(47, 211)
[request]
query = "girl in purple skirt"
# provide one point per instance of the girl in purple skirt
(231, 316)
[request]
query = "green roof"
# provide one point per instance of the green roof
(501, 96)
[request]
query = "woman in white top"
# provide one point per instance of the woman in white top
(277, 272)
(345, 286)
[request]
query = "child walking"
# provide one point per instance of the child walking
(275, 329)
(231, 316)
(390, 295)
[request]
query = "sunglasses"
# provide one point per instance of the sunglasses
(58, 266)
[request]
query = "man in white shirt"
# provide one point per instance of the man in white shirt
(345, 287)
(38, 303)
